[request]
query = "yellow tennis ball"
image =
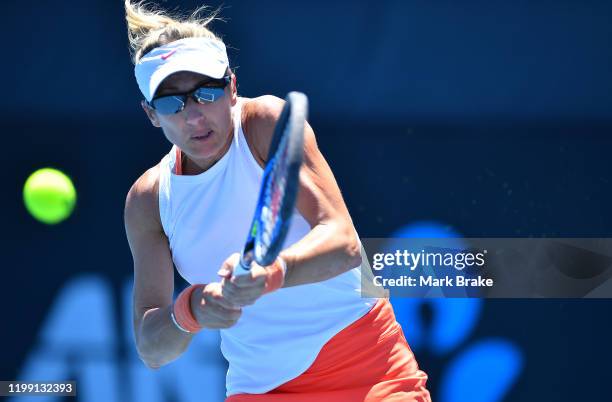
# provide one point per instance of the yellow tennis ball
(49, 195)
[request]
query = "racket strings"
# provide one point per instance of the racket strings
(274, 196)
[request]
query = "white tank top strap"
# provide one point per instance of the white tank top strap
(164, 190)
(240, 138)
(237, 115)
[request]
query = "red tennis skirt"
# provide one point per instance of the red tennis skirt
(369, 360)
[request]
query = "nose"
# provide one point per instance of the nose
(194, 113)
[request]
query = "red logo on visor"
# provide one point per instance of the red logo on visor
(167, 55)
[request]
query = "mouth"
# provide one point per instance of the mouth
(202, 136)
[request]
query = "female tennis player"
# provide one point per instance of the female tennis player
(297, 330)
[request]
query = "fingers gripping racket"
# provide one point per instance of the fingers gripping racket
(279, 187)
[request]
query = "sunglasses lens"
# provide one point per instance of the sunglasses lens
(208, 95)
(168, 104)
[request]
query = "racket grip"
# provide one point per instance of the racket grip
(240, 269)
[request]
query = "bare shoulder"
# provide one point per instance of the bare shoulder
(265, 107)
(142, 202)
(259, 117)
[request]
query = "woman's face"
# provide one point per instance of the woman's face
(202, 131)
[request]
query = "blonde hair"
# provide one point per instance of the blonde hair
(149, 27)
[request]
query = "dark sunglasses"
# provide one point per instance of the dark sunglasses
(206, 93)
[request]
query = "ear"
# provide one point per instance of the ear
(151, 114)
(234, 90)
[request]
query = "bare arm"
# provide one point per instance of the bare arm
(158, 340)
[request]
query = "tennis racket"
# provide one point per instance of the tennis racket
(279, 187)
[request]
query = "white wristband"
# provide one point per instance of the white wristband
(176, 322)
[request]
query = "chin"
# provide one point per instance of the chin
(206, 151)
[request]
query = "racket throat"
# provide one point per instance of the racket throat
(247, 257)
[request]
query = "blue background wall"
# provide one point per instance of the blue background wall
(491, 118)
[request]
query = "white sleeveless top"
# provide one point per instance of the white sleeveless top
(206, 218)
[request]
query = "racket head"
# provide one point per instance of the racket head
(280, 184)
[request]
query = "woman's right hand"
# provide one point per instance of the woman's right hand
(212, 310)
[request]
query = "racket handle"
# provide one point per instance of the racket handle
(240, 269)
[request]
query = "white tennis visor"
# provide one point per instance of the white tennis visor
(204, 56)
